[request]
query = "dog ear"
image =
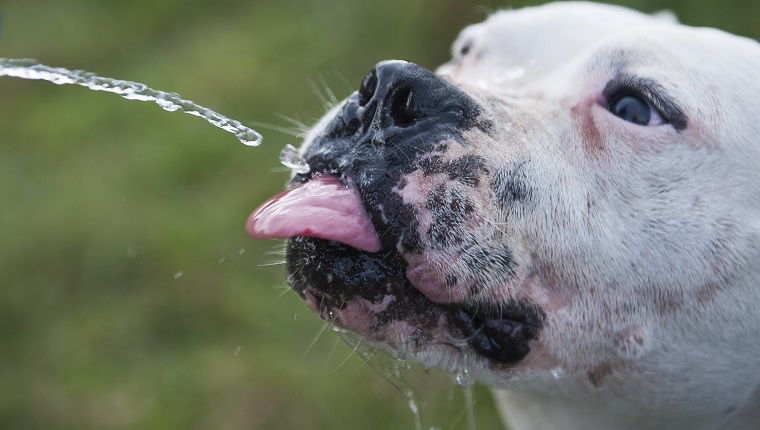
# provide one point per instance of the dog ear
(666, 16)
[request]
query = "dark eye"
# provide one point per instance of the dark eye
(465, 49)
(633, 108)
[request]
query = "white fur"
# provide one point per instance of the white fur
(644, 245)
(641, 243)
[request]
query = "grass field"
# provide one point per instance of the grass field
(130, 295)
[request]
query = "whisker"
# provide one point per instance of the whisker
(350, 87)
(354, 350)
(299, 125)
(331, 95)
(271, 263)
(495, 225)
(328, 92)
(275, 127)
(321, 332)
(336, 342)
(317, 90)
(285, 291)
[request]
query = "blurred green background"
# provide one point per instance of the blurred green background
(130, 295)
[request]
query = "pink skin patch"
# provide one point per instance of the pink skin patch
(321, 208)
(426, 277)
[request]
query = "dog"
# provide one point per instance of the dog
(569, 209)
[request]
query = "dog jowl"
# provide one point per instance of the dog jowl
(568, 208)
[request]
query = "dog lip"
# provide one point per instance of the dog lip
(322, 208)
(367, 293)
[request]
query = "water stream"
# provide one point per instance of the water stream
(30, 69)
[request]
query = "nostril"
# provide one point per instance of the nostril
(368, 87)
(402, 108)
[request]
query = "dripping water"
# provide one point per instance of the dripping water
(464, 380)
(393, 370)
(390, 369)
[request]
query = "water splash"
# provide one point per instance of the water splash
(290, 158)
(30, 69)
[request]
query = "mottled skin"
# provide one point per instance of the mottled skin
(598, 273)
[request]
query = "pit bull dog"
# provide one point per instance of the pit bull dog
(569, 209)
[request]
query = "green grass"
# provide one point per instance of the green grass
(105, 202)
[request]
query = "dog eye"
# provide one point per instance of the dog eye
(635, 109)
(465, 48)
(462, 48)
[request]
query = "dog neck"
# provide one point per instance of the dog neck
(537, 411)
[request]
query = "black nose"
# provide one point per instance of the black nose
(400, 113)
(398, 95)
(393, 86)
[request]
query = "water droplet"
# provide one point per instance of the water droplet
(178, 274)
(221, 260)
(557, 372)
(237, 350)
(242, 250)
(131, 251)
(248, 137)
(463, 378)
(404, 365)
(290, 158)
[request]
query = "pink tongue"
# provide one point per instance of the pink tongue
(321, 208)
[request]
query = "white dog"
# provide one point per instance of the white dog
(570, 209)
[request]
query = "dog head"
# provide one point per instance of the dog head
(569, 206)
